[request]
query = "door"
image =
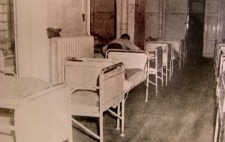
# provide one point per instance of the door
(195, 30)
(103, 21)
(6, 25)
(212, 26)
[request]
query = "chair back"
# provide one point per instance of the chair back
(159, 57)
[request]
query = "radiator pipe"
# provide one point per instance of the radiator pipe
(160, 18)
(124, 16)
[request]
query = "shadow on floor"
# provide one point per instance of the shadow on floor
(182, 112)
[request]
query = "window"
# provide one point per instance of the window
(6, 26)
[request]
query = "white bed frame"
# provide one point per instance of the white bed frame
(167, 58)
(220, 121)
(179, 51)
(219, 58)
(97, 86)
(43, 116)
(137, 60)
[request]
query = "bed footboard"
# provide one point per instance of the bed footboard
(40, 117)
(130, 59)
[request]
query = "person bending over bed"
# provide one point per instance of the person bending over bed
(121, 43)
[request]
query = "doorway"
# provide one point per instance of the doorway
(7, 37)
(196, 30)
(103, 21)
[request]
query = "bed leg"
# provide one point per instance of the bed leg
(101, 127)
(173, 67)
(179, 63)
(156, 83)
(118, 120)
(123, 118)
(171, 72)
(166, 75)
(217, 127)
(162, 78)
(146, 93)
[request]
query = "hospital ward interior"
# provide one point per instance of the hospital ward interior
(63, 78)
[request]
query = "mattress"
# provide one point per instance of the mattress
(14, 89)
(85, 100)
(133, 77)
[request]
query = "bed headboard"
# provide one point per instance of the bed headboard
(151, 46)
(63, 47)
(84, 71)
(130, 59)
(175, 44)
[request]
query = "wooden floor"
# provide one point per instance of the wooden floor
(184, 111)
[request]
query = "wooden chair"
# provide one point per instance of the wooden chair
(96, 87)
(156, 66)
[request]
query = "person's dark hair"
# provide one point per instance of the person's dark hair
(114, 46)
(125, 36)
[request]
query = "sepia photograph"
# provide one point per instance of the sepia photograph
(112, 71)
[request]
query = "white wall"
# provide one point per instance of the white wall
(139, 28)
(152, 18)
(33, 18)
(212, 26)
(174, 19)
(103, 17)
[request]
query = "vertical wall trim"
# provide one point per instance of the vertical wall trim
(160, 18)
(164, 19)
(15, 34)
(131, 19)
(118, 18)
(124, 16)
(88, 17)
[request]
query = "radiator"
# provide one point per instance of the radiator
(63, 47)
